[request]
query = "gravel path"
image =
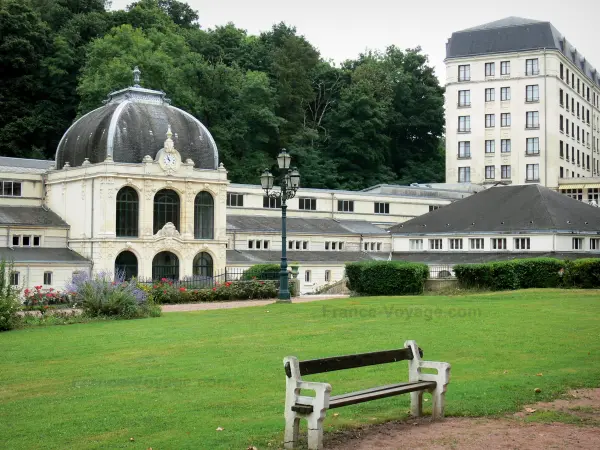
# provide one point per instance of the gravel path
(242, 303)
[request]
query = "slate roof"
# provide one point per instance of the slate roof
(298, 225)
(450, 258)
(262, 256)
(507, 209)
(26, 163)
(514, 34)
(30, 216)
(41, 255)
(133, 124)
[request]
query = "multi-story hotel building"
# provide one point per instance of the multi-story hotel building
(522, 106)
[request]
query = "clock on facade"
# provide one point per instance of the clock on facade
(168, 157)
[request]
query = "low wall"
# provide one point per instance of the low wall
(440, 284)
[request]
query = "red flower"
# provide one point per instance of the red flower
(164, 292)
(214, 289)
(27, 291)
(45, 306)
(181, 289)
(261, 282)
(48, 295)
(163, 279)
(38, 287)
(50, 289)
(155, 287)
(228, 284)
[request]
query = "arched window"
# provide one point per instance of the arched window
(166, 209)
(203, 265)
(204, 216)
(127, 212)
(126, 265)
(165, 265)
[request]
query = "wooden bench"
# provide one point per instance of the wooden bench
(313, 409)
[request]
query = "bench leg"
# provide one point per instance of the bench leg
(416, 403)
(315, 432)
(438, 397)
(292, 428)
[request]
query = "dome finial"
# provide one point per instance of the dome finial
(169, 132)
(169, 145)
(136, 77)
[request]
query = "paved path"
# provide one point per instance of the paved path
(242, 303)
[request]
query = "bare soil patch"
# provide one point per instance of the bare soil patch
(538, 427)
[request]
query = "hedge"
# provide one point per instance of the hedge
(514, 274)
(262, 272)
(583, 273)
(386, 277)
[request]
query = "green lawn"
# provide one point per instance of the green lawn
(170, 382)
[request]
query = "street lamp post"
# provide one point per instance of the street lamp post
(290, 181)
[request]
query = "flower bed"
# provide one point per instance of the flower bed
(165, 292)
(38, 299)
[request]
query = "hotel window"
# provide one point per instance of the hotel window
(568, 128)
(464, 98)
(382, 208)
(235, 199)
(505, 146)
(327, 276)
(464, 174)
(490, 146)
(593, 194)
(490, 120)
(577, 244)
(567, 102)
(505, 172)
(340, 245)
(307, 276)
(578, 110)
(561, 123)
(379, 246)
(490, 69)
(561, 150)
(464, 149)
(271, 202)
(532, 119)
(562, 71)
(561, 97)
(561, 172)
(307, 203)
(464, 123)
(10, 188)
(594, 243)
(533, 172)
(26, 241)
(16, 240)
(522, 244)
(573, 80)
(456, 244)
(345, 205)
(578, 85)
(47, 278)
(490, 172)
(576, 194)
(532, 66)
(532, 93)
(435, 244)
(505, 119)
(572, 105)
(464, 72)
(304, 245)
(490, 94)
(533, 146)
(499, 244)
(476, 243)
(251, 244)
(587, 114)
(36, 241)
(505, 94)
(15, 278)
(415, 244)
(505, 68)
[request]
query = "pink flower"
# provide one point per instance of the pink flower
(38, 287)
(214, 289)
(50, 289)
(163, 280)
(182, 289)
(27, 291)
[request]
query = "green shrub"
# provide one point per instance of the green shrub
(262, 272)
(387, 277)
(583, 273)
(509, 275)
(9, 298)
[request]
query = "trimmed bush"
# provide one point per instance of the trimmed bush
(510, 275)
(387, 277)
(262, 272)
(583, 273)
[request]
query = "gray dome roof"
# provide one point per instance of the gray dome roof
(132, 124)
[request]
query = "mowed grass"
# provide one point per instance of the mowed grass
(170, 382)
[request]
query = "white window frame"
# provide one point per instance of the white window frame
(522, 243)
(533, 172)
(505, 94)
(490, 120)
(455, 243)
(504, 67)
(464, 72)
(505, 146)
(464, 149)
(577, 243)
(498, 244)
(490, 172)
(505, 120)
(464, 174)
(435, 244)
(532, 146)
(532, 93)
(490, 95)
(415, 244)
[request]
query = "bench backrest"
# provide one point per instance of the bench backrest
(311, 366)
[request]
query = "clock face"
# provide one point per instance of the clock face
(169, 160)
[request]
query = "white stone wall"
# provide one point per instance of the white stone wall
(32, 274)
(31, 187)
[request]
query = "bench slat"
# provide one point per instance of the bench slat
(339, 401)
(368, 391)
(312, 366)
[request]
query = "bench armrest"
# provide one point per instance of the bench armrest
(443, 371)
(319, 388)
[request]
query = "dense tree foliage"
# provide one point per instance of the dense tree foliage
(376, 119)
